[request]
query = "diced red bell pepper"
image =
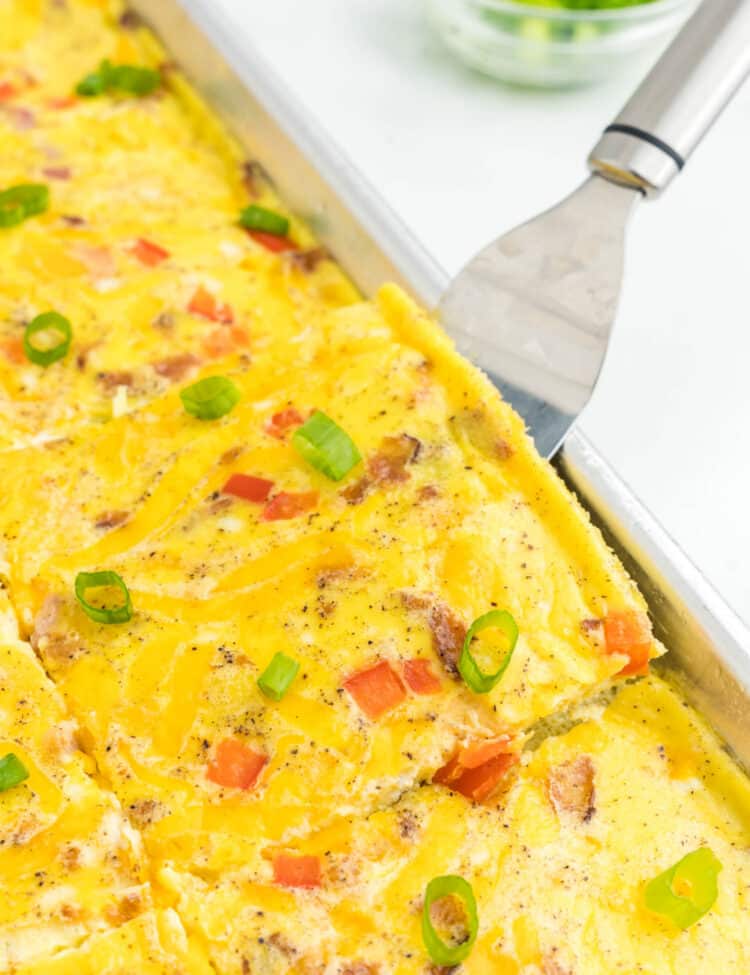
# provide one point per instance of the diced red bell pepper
(419, 676)
(7, 90)
(148, 253)
(248, 488)
(222, 341)
(13, 350)
(280, 422)
(63, 101)
(476, 771)
(629, 633)
(377, 689)
(272, 242)
(203, 303)
(296, 871)
(235, 765)
(288, 504)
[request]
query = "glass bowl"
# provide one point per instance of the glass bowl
(552, 47)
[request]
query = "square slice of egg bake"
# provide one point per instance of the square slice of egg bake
(304, 591)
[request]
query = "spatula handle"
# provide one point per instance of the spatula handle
(685, 92)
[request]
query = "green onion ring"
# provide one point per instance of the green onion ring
(210, 398)
(326, 447)
(258, 218)
(478, 681)
(277, 678)
(98, 580)
(438, 950)
(22, 201)
(130, 78)
(53, 321)
(12, 772)
(697, 873)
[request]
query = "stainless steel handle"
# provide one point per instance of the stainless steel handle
(685, 92)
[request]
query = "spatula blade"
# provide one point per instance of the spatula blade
(534, 309)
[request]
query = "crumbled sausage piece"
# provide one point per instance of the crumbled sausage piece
(387, 466)
(176, 367)
(111, 519)
(111, 380)
(308, 260)
(570, 788)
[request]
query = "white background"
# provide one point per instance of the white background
(461, 159)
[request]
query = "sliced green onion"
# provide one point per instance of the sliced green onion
(258, 218)
(469, 669)
(48, 321)
(103, 580)
(12, 772)
(129, 78)
(210, 398)
(20, 202)
(438, 950)
(277, 678)
(686, 891)
(324, 445)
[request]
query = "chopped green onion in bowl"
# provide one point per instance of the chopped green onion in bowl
(557, 43)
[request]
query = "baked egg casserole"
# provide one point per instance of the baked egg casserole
(309, 665)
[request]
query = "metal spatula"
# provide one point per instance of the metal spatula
(536, 307)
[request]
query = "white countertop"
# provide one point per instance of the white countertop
(461, 159)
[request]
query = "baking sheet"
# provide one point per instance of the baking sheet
(709, 646)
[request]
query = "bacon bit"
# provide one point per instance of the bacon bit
(479, 781)
(428, 492)
(130, 19)
(203, 303)
(357, 492)
(12, 347)
(419, 676)
(253, 176)
(235, 765)
(126, 909)
(97, 260)
(376, 690)
(249, 488)
(387, 465)
(71, 220)
(231, 455)
(62, 102)
(629, 633)
(291, 871)
(57, 172)
(503, 449)
(222, 341)
(570, 788)
(309, 260)
(7, 91)
(175, 367)
(592, 625)
(448, 635)
(272, 242)
(148, 253)
(22, 119)
(111, 519)
(280, 422)
(111, 380)
(550, 966)
(287, 504)
(360, 968)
